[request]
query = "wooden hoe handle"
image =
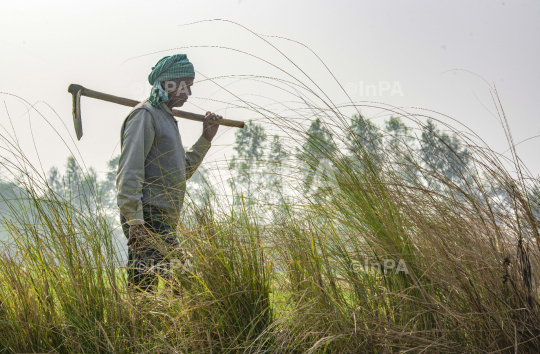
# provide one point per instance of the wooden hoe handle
(77, 91)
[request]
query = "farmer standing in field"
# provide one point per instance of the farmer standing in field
(153, 169)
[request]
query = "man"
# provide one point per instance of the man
(153, 170)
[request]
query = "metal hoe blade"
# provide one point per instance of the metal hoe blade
(77, 114)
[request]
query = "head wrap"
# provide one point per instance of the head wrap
(168, 68)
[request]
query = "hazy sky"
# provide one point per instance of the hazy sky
(416, 44)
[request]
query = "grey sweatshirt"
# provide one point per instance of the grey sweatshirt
(153, 166)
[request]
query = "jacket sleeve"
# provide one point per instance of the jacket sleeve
(139, 133)
(195, 155)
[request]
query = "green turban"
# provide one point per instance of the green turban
(168, 68)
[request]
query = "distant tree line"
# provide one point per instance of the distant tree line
(82, 187)
(261, 163)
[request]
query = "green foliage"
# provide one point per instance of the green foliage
(365, 135)
(199, 187)
(276, 169)
(55, 180)
(249, 145)
(247, 163)
(84, 189)
(107, 187)
(443, 151)
(467, 279)
(398, 136)
(315, 154)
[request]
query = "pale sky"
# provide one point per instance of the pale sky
(417, 44)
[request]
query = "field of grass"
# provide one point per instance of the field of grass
(461, 269)
(390, 253)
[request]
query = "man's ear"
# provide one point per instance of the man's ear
(169, 86)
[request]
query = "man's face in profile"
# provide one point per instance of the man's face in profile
(178, 90)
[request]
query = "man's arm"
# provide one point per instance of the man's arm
(197, 152)
(195, 155)
(138, 137)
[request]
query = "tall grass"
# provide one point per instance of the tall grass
(468, 279)
(467, 253)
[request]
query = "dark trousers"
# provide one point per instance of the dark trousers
(145, 267)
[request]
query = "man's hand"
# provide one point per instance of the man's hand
(138, 236)
(210, 130)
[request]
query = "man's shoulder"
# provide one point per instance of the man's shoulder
(142, 110)
(144, 105)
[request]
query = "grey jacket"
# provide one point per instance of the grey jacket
(153, 166)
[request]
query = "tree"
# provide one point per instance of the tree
(245, 165)
(365, 138)
(55, 181)
(73, 178)
(275, 170)
(399, 145)
(107, 187)
(315, 155)
(79, 188)
(398, 137)
(199, 188)
(444, 154)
